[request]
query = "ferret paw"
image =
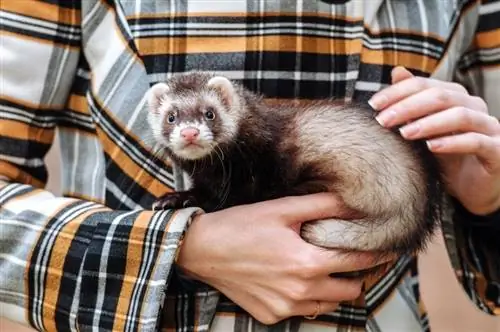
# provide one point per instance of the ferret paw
(174, 201)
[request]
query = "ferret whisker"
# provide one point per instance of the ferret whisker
(227, 181)
(193, 171)
(158, 153)
(211, 154)
(225, 178)
(217, 148)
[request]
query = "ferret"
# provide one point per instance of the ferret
(238, 149)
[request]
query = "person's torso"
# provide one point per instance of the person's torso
(282, 49)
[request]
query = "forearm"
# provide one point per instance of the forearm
(70, 263)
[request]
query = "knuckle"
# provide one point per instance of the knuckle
(481, 103)
(459, 87)
(298, 292)
(464, 116)
(441, 95)
(282, 310)
(478, 142)
(307, 266)
(420, 82)
(309, 270)
(473, 139)
(495, 123)
(269, 319)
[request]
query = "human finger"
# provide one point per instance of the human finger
(427, 102)
(486, 148)
(399, 74)
(299, 209)
(312, 309)
(306, 284)
(328, 289)
(349, 263)
(282, 309)
(453, 120)
(407, 87)
(321, 261)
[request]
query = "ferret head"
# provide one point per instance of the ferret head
(192, 113)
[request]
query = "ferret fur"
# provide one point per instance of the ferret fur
(254, 151)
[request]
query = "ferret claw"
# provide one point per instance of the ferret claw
(173, 201)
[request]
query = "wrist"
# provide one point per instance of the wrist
(185, 258)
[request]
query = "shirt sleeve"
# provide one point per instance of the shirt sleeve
(66, 264)
(473, 242)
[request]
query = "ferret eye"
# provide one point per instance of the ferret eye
(171, 118)
(210, 114)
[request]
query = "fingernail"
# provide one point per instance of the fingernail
(378, 101)
(385, 118)
(434, 145)
(410, 130)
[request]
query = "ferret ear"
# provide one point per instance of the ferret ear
(225, 89)
(155, 95)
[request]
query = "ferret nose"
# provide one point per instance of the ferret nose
(190, 133)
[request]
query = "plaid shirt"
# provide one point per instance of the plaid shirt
(98, 256)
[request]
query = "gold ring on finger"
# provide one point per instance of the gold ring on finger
(316, 313)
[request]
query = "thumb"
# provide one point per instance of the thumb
(399, 74)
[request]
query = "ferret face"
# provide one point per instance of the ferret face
(190, 116)
(190, 126)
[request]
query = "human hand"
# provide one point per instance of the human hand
(457, 128)
(254, 255)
